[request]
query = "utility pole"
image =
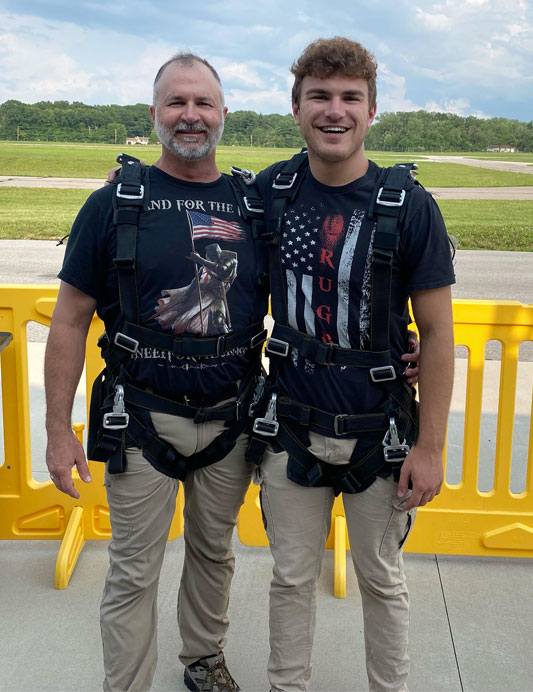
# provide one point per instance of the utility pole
(18, 132)
(115, 135)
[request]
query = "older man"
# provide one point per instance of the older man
(193, 373)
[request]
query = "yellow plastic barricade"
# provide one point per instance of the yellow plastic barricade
(32, 509)
(462, 520)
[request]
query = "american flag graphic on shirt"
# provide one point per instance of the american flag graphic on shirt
(309, 238)
(206, 226)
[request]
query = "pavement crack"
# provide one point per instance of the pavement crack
(449, 624)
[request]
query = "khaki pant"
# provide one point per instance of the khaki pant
(141, 505)
(297, 522)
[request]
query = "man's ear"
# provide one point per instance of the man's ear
(152, 113)
(372, 114)
(296, 112)
(225, 111)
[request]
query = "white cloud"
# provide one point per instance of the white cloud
(433, 21)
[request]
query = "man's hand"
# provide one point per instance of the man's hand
(424, 469)
(112, 174)
(63, 452)
(411, 358)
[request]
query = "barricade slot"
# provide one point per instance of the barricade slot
(489, 417)
(522, 433)
(456, 421)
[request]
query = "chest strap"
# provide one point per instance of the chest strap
(284, 338)
(133, 335)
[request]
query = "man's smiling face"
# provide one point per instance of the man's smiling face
(189, 113)
(334, 116)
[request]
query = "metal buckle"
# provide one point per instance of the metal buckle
(250, 207)
(126, 342)
(258, 338)
(338, 424)
(390, 204)
(221, 343)
(385, 373)
(247, 176)
(118, 419)
(282, 345)
(284, 186)
(124, 196)
(393, 449)
(268, 425)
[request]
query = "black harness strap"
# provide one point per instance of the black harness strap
(128, 202)
(188, 345)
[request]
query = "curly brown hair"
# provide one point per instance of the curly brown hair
(326, 57)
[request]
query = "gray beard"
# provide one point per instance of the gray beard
(193, 151)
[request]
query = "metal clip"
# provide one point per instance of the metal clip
(247, 176)
(258, 395)
(393, 449)
(118, 419)
(268, 425)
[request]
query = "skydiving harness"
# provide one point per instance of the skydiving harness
(381, 436)
(120, 410)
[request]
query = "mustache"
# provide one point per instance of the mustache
(189, 127)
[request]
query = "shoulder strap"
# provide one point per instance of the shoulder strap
(285, 186)
(129, 200)
(389, 201)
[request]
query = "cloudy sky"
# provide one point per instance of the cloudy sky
(470, 57)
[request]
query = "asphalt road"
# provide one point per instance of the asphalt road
(525, 192)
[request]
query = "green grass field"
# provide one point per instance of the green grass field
(47, 213)
(93, 161)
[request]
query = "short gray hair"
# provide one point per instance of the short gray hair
(185, 60)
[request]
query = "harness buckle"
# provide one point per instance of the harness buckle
(247, 176)
(390, 203)
(250, 206)
(221, 343)
(126, 342)
(268, 425)
(286, 180)
(258, 395)
(118, 419)
(258, 338)
(393, 449)
(338, 424)
(124, 195)
(277, 347)
(385, 373)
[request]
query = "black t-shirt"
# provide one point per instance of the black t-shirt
(327, 279)
(191, 241)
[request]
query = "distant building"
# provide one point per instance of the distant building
(136, 140)
(501, 147)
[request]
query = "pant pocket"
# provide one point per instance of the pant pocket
(398, 529)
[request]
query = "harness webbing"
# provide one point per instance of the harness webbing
(387, 207)
(134, 424)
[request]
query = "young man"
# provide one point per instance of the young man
(336, 390)
(189, 358)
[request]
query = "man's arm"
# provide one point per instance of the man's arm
(63, 365)
(423, 466)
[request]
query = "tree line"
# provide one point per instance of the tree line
(62, 121)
